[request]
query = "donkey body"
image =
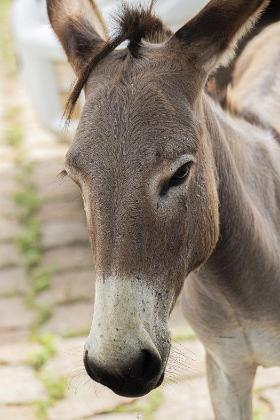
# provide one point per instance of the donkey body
(232, 301)
(176, 188)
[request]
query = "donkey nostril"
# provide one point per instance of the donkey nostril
(146, 366)
(152, 364)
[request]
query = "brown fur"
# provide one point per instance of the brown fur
(135, 25)
(145, 116)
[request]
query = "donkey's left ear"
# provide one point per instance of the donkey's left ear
(210, 37)
(78, 27)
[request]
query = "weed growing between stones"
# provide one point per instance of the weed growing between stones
(56, 390)
(40, 357)
(14, 135)
(29, 243)
(41, 409)
(28, 205)
(43, 314)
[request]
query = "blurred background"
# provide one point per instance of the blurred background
(46, 270)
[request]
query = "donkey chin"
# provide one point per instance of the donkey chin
(129, 343)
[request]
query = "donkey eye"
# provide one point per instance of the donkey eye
(180, 175)
(177, 179)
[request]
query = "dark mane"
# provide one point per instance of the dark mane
(134, 25)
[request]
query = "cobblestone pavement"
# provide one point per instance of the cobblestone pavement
(46, 295)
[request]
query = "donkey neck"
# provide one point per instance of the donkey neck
(248, 181)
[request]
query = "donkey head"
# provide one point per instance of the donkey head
(144, 163)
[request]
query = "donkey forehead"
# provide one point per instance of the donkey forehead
(141, 121)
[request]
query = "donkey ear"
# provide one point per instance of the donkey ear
(212, 35)
(79, 28)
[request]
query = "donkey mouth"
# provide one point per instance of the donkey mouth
(132, 389)
(126, 388)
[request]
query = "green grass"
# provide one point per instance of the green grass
(56, 387)
(40, 281)
(23, 179)
(40, 357)
(41, 409)
(13, 134)
(42, 315)
(27, 201)
(29, 245)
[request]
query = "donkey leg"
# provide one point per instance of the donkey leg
(231, 393)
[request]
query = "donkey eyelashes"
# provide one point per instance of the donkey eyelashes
(177, 179)
(180, 175)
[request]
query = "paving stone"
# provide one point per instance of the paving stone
(31, 123)
(6, 153)
(12, 280)
(70, 286)
(51, 187)
(46, 172)
(8, 172)
(8, 209)
(186, 400)
(86, 401)
(266, 378)
(16, 353)
(50, 146)
(56, 234)
(19, 385)
(68, 360)
(48, 153)
(9, 229)
(70, 318)
(62, 210)
(272, 395)
(130, 416)
(14, 314)
(9, 255)
(8, 185)
(59, 192)
(68, 258)
(14, 336)
(17, 413)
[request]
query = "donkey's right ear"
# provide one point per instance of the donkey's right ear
(79, 28)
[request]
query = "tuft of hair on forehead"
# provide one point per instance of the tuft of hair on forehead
(134, 24)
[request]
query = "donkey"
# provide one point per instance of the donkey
(180, 196)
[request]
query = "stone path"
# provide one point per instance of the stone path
(46, 294)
